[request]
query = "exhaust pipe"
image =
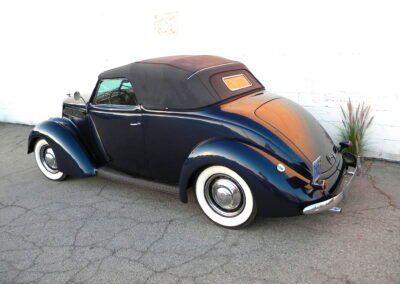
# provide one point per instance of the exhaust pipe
(336, 210)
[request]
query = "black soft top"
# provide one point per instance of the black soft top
(182, 82)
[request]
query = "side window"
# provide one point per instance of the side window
(115, 92)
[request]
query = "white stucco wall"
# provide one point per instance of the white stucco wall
(317, 53)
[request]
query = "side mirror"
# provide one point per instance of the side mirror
(77, 96)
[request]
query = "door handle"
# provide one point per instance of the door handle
(135, 123)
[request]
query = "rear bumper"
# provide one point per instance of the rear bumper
(344, 186)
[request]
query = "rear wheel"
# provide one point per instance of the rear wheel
(225, 197)
(46, 161)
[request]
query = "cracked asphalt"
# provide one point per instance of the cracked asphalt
(97, 231)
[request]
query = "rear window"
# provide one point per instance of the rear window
(235, 82)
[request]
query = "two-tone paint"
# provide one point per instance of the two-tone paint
(250, 134)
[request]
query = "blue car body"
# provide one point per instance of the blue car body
(250, 132)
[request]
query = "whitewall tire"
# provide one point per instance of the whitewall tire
(46, 161)
(225, 197)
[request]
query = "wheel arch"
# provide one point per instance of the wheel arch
(274, 193)
(62, 137)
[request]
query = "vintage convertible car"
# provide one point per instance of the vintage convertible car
(201, 122)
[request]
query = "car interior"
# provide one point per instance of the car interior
(121, 95)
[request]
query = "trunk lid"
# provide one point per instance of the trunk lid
(296, 126)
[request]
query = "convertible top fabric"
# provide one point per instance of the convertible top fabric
(182, 82)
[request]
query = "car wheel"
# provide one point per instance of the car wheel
(46, 161)
(225, 197)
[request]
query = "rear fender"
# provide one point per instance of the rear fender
(275, 194)
(61, 134)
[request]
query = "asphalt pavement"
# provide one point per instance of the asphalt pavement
(95, 230)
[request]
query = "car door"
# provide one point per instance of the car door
(117, 120)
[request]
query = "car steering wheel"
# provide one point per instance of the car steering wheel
(123, 94)
(116, 93)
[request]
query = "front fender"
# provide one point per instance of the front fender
(61, 135)
(275, 194)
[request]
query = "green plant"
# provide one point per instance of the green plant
(355, 125)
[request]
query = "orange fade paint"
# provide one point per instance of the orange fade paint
(289, 172)
(281, 118)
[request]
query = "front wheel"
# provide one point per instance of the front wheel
(225, 197)
(46, 161)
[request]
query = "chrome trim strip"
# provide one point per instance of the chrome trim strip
(167, 111)
(332, 202)
(115, 108)
(117, 113)
(215, 66)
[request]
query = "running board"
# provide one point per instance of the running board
(139, 182)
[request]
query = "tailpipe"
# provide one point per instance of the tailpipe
(336, 210)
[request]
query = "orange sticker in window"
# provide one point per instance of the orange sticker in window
(236, 82)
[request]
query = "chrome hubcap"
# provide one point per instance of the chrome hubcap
(224, 195)
(48, 159)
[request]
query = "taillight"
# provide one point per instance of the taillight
(345, 144)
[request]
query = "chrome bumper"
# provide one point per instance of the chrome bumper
(332, 202)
